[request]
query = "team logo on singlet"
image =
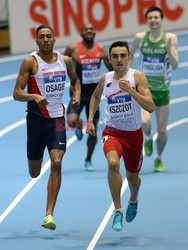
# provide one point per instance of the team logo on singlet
(108, 84)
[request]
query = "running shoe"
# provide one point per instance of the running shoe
(148, 147)
(49, 222)
(79, 134)
(89, 166)
(117, 223)
(131, 211)
(158, 166)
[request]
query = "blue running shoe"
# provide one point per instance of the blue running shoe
(79, 134)
(131, 211)
(117, 223)
(89, 166)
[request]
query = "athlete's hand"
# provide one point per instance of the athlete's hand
(40, 100)
(124, 85)
(90, 128)
(75, 102)
(168, 43)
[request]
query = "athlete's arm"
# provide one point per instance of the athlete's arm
(135, 45)
(74, 81)
(19, 92)
(68, 51)
(94, 103)
(171, 45)
(142, 93)
(106, 60)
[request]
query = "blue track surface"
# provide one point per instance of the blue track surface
(84, 206)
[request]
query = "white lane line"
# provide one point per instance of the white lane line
(67, 84)
(6, 99)
(47, 164)
(21, 122)
(11, 127)
(31, 184)
(107, 216)
(14, 76)
(177, 100)
(13, 58)
(179, 82)
(8, 77)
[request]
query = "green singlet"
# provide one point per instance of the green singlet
(156, 66)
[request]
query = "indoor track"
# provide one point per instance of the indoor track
(83, 210)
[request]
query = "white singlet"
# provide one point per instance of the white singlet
(49, 82)
(122, 111)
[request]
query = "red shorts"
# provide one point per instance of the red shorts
(128, 144)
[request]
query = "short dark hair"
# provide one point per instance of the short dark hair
(154, 8)
(44, 26)
(119, 44)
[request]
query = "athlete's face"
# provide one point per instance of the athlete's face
(88, 32)
(45, 40)
(154, 20)
(119, 58)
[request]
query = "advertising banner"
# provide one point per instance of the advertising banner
(112, 19)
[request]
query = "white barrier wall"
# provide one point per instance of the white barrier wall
(112, 19)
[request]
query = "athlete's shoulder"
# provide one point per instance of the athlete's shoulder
(30, 60)
(140, 35)
(171, 35)
(70, 49)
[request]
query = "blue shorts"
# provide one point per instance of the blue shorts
(42, 132)
(84, 101)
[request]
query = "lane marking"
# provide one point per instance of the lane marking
(31, 184)
(6, 99)
(12, 126)
(107, 216)
(14, 76)
(67, 84)
(11, 58)
(21, 122)
(47, 165)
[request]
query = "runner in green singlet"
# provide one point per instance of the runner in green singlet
(158, 55)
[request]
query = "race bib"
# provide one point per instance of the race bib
(120, 107)
(54, 86)
(90, 74)
(153, 66)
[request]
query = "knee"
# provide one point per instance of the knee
(56, 166)
(133, 180)
(113, 165)
(34, 173)
(34, 168)
(162, 134)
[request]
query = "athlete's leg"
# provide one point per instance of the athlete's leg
(74, 121)
(54, 181)
(147, 129)
(114, 177)
(134, 182)
(72, 115)
(162, 114)
(35, 143)
(91, 143)
(92, 140)
(146, 122)
(34, 167)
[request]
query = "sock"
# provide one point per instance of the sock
(158, 157)
(133, 202)
(149, 137)
(119, 210)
